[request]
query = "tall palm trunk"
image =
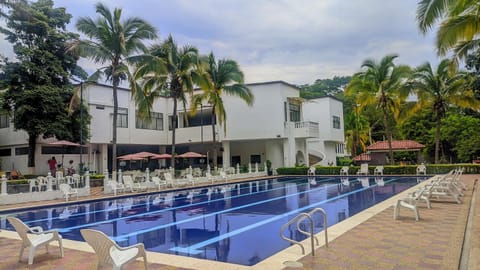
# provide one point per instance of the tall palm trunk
(214, 138)
(437, 139)
(174, 127)
(114, 124)
(389, 135)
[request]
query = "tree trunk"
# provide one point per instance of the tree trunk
(214, 139)
(32, 141)
(437, 139)
(114, 126)
(174, 127)
(389, 135)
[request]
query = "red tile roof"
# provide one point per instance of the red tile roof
(396, 145)
(362, 157)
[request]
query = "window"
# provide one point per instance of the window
(255, 159)
(294, 112)
(122, 118)
(336, 122)
(21, 151)
(4, 121)
(170, 123)
(99, 107)
(155, 122)
(5, 152)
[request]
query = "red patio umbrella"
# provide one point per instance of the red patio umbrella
(64, 144)
(191, 155)
(144, 154)
(161, 156)
(130, 157)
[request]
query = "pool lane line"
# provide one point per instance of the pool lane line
(68, 229)
(142, 204)
(194, 249)
(126, 236)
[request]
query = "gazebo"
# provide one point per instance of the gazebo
(378, 152)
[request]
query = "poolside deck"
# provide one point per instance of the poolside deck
(379, 242)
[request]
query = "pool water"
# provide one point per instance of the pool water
(235, 223)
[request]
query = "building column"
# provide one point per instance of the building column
(289, 145)
(226, 154)
(104, 158)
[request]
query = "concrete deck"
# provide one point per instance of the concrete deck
(369, 240)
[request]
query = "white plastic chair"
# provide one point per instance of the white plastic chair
(159, 182)
(344, 170)
(409, 202)
(363, 169)
(68, 191)
(116, 187)
(311, 170)
(421, 170)
(34, 237)
(378, 170)
(109, 253)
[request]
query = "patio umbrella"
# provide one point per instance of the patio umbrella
(64, 144)
(161, 156)
(191, 155)
(130, 157)
(144, 154)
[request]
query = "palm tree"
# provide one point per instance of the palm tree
(111, 42)
(439, 89)
(165, 71)
(220, 77)
(459, 26)
(384, 85)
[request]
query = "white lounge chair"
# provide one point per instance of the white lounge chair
(363, 169)
(311, 170)
(409, 202)
(34, 237)
(224, 176)
(421, 170)
(344, 170)
(115, 186)
(159, 182)
(131, 185)
(378, 170)
(68, 191)
(109, 253)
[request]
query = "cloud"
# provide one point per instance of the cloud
(298, 41)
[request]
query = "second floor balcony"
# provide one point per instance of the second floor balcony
(305, 129)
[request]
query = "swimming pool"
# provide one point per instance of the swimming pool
(236, 223)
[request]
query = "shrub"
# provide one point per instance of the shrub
(389, 170)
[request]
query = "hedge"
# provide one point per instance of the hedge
(387, 169)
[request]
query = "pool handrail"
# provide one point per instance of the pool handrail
(291, 221)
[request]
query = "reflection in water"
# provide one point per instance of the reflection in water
(236, 223)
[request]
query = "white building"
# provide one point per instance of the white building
(279, 126)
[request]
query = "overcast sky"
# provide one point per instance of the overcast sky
(297, 41)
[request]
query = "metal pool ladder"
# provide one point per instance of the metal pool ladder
(299, 219)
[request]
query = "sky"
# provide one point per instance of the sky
(297, 41)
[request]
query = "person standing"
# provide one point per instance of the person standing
(52, 164)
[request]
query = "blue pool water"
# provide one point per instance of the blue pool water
(236, 223)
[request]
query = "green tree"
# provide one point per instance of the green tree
(458, 30)
(37, 82)
(382, 84)
(166, 70)
(325, 87)
(457, 131)
(222, 77)
(439, 90)
(111, 42)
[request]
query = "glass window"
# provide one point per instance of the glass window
(4, 121)
(294, 112)
(6, 152)
(155, 122)
(21, 151)
(122, 118)
(336, 122)
(170, 123)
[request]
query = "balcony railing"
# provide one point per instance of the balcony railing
(304, 129)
